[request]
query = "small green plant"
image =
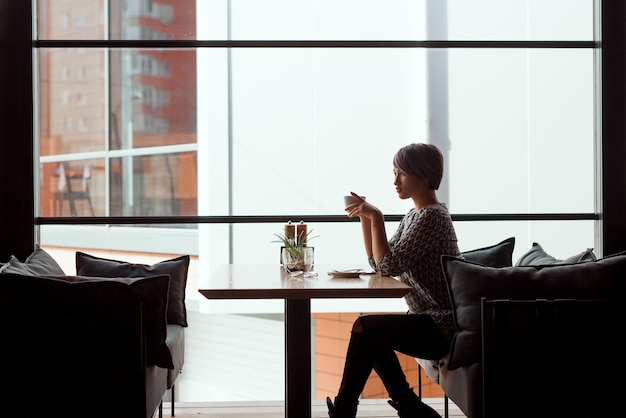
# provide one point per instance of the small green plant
(295, 245)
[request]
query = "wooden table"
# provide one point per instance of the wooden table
(272, 282)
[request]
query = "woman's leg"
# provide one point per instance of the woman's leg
(357, 368)
(414, 335)
(372, 343)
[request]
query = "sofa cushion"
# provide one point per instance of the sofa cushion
(18, 290)
(498, 255)
(469, 282)
(537, 256)
(176, 268)
(38, 263)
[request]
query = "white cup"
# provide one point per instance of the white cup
(348, 200)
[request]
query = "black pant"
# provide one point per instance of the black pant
(373, 343)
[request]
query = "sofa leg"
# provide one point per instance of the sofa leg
(161, 409)
(172, 393)
(419, 380)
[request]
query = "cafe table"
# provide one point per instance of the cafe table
(247, 281)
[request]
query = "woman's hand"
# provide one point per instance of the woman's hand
(362, 209)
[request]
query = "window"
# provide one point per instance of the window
(286, 105)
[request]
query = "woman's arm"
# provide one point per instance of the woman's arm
(373, 227)
(380, 245)
(366, 227)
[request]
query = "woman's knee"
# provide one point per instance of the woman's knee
(357, 325)
(365, 323)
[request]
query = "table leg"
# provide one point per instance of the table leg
(298, 358)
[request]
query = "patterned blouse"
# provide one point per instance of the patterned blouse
(416, 248)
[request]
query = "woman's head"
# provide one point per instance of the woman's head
(423, 161)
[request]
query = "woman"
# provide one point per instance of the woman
(413, 255)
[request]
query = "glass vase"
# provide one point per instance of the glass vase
(297, 259)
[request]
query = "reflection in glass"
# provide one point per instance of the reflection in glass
(71, 100)
(134, 97)
(154, 185)
(71, 19)
(72, 188)
(153, 97)
(126, 19)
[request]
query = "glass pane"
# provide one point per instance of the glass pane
(318, 20)
(153, 97)
(72, 188)
(311, 123)
(153, 19)
(561, 239)
(147, 98)
(333, 243)
(72, 100)
(327, 20)
(154, 185)
(518, 20)
(341, 243)
(522, 131)
(71, 19)
(117, 19)
(309, 126)
(412, 20)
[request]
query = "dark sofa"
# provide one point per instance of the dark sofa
(90, 346)
(535, 339)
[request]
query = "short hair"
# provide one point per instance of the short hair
(423, 161)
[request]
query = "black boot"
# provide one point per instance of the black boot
(411, 406)
(340, 410)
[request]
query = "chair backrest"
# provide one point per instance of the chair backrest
(62, 182)
(86, 177)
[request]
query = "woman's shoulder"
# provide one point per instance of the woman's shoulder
(434, 209)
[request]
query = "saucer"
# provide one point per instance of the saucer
(348, 274)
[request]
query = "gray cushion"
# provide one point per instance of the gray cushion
(17, 290)
(537, 256)
(39, 263)
(469, 282)
(176, 268)
(498, 255)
